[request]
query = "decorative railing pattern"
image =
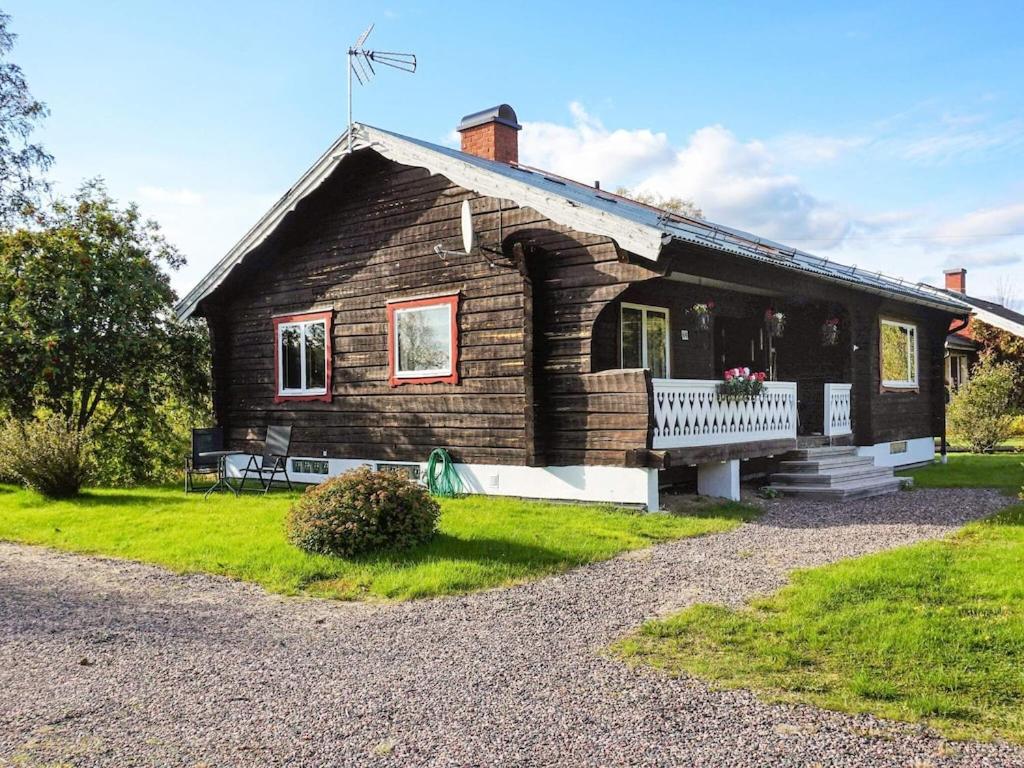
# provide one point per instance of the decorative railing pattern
(690, 413)
(838, 409)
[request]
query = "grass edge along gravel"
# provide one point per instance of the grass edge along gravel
(482, 542)
(932, 632)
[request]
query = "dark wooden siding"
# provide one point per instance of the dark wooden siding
(367, 237)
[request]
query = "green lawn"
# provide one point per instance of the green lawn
(1004, 471)
(483, 542)
(932, 632)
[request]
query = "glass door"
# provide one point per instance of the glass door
(644, 339)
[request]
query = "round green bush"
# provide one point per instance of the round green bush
(361, 511)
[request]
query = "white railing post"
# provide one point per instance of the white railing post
(689, 413)
(838, 409)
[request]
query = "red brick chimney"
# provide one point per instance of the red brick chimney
(492, 133)
(956, 280)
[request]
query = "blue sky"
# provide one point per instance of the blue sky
(890, 137)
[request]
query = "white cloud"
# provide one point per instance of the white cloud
(986, 223)
(732, 181)
(587, 151)
(183, 197)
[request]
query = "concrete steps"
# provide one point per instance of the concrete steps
(832, 472)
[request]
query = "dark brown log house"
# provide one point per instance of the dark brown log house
(564, 353)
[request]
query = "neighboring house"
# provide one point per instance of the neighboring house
(962, 349)
(565, 354)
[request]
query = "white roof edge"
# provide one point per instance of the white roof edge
(645, 241)
(1001, 323)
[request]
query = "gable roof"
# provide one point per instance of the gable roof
(990, 312)
(641, 229)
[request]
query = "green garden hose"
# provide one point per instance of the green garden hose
(442, 479)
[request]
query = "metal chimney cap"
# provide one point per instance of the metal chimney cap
(502, 114)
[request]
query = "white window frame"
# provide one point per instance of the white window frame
(912, 356)
(428, 373)
(957, 362)
(644, 358)
(304, 390)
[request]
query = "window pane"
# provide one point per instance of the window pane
(316, 371)
(632, 338)
(896, 353)
(424, 339)
(291, 363)
(657, 336)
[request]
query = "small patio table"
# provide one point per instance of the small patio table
(222, 483)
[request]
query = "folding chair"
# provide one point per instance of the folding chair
(274, 460)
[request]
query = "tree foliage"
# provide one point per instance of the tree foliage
(22, 162)
(1002, 347)
(674, 204)
(982, 410)
(87, 329)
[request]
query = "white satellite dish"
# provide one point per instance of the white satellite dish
(468, 236)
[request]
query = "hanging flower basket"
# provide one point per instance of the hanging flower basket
(775, 322)
(702, 315)
(830, 332)
(741, 384)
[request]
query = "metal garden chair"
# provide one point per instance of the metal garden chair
(274, 460)
(204, 440)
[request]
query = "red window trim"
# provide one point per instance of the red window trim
(452, 302)
(327, 317)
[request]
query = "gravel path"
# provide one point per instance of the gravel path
(112, 663)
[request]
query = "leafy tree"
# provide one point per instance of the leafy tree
(1002, 347)
(981, 412)
(22, 162)
(87, 329)
(673, 204)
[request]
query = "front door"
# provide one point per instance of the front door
(739, 343)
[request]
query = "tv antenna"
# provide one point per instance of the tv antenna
(360, 63)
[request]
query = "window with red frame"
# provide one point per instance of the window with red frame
(423, 341)
(302, 356)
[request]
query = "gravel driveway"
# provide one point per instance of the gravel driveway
(112, 663)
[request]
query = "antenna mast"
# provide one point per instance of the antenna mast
(360, 63)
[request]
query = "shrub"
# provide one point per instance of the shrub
(981, 412)
(360, 511)
(1017, 426)
(47, 455)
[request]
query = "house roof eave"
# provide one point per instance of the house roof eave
(637, 228)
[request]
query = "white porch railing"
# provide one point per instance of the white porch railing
(689, 413)
(838, 409)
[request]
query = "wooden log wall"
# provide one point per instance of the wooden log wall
(367, 236)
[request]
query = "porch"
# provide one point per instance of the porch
(688, 332)
(694, 424)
